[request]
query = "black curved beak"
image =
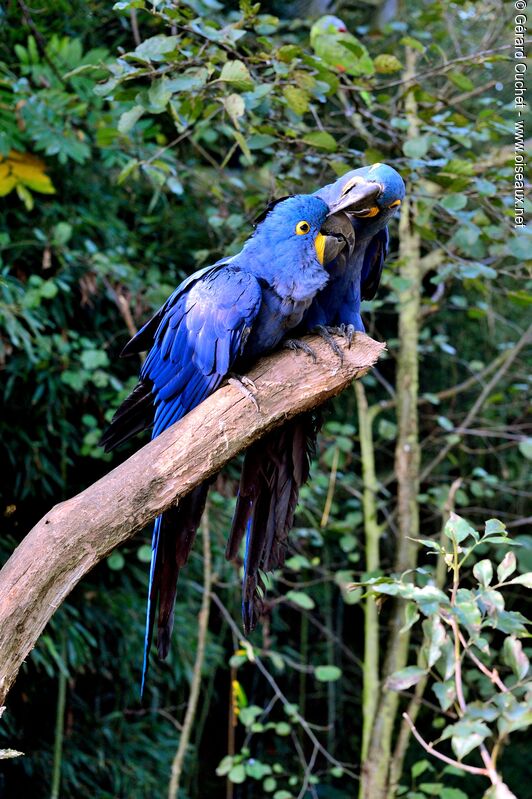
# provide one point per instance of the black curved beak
(339, 235)
(356, 198)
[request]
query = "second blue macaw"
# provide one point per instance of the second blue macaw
(219, 319)
(362, 202)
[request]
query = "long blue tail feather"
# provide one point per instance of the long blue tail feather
(150, 606)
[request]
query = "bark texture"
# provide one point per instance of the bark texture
(75, 535)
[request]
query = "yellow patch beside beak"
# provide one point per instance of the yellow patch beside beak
(373, 211)
(319, 246)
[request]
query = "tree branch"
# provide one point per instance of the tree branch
(75, 535)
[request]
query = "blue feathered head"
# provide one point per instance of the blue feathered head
(289, 230)
(372, 193)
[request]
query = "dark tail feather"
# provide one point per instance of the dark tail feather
(173, 537)
(182, 527)
(274, 470)
(135, 414)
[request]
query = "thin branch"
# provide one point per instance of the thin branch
(135, 26)
(428, 747)
(491, 674)
(307, 728)
(511, 355)
(203, 623)
(443, 68)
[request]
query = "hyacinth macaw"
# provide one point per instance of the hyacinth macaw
(276, 467)
(219, 319)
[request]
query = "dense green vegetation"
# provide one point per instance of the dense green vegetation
(137, 143)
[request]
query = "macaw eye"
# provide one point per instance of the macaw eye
(373, 211)
(302, 228)
(395, 204)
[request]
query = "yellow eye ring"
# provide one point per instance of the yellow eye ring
(373, 211)
(395, 204)
(302, 228)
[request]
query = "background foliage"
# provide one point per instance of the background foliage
(137, 143)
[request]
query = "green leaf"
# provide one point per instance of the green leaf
(519, 246)
(298, 99)
(416, 148)
(300, 599)
(159, 94)
(321, 140)
(49, 289)
(522, 579)
(420, 767)
(506, 567)
(411, 616)
(249, 714)
(241, 143)
(445, 692)
(511, 622)
(237, 774)
(465, 736)
(189, 80)
(257, 770)
(454, 202)
(283, 728)
(144, 553)
(127, 170)
(61, 233)
(483, 571)
(386, 64)
(129, 119)
(415, 44)
(494, 527)
(405, 678)
(499, 791)
(431, 788)
(156, 47)
(116, 561)
(235, 107)
(327, 673)
(435, 637)
(467, 610)
(457, 529)
(515, 716)
(514, 657)
(237, 73)
(94, 359)
(225, 766)
(461, 80)
(525, 448)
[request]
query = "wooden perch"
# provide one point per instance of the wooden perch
(75, 535)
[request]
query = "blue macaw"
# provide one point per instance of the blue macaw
(361, 203)
(219, 319)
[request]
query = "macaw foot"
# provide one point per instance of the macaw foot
(244, 384)
(296, 345)
(327, 334)
(345, 331)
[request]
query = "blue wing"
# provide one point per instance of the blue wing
(198, 338)
(199, 334)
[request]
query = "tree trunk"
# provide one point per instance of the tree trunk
(376, 768)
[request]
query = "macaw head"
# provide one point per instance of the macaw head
(369, 195)
(293, 225)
